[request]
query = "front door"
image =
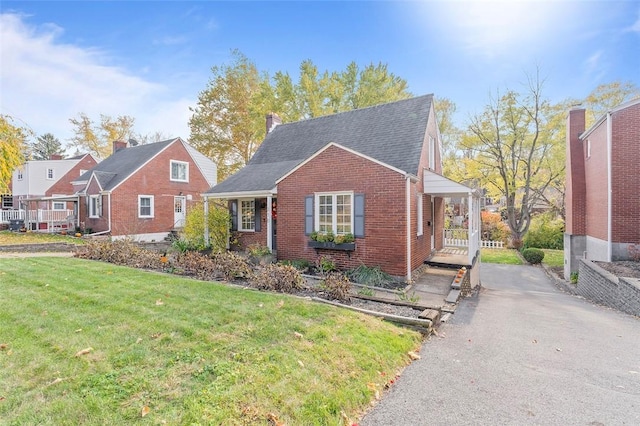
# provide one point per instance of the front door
(179, 211)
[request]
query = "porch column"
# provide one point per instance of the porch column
(470, 225)
(269, 223)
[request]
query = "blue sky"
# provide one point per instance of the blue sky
(151, 59)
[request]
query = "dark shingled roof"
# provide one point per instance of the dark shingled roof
(119, 166)
(392, 133)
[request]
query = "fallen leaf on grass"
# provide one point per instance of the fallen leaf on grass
(298, 335)
(159, 302)
(301, 363)
(156, 335)
(3, 346)
(139, 340)
(55, 382)
(83, 352)
(414, 356)
(280, 304)
(145, 410)
(2, 398)
(274, 420)
(78, 330)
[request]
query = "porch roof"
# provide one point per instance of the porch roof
(435, 184)
(52, 198)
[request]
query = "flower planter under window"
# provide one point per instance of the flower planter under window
(332, 246)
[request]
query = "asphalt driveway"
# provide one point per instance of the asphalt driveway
(521, 352)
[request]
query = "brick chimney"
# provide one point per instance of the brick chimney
(55, 157)
(272, 121)
(575, 192)
(118, 145)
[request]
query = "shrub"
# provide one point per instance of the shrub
(276, 277)
(545, 232)
(574, 278)
(199, 265)
(258, 250)
(121, 252)
(231, 265)
(219, 220)
(493, 228)
(533, 255)
(337, 286)
(373, 276)
(326, 264)
(301, 265)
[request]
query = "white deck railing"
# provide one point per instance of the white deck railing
(54, 219)
(7, 215)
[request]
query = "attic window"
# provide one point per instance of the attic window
(49, 174)
(20, 174)
(179, 171)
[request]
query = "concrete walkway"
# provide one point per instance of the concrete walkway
(15, 255)
(521, 352)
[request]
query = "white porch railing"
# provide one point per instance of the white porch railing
(7, 215)
(458, 237)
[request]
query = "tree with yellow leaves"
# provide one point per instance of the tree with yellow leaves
(12, 146)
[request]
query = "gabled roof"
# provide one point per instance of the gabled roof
(119, 166)
(391, 133)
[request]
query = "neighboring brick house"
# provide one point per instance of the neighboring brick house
(363, 172)
(46, 179)
(602, 197)
(143, 192)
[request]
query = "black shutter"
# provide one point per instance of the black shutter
(358, 215)
(256, 212)
(308, 214)
(233, 212)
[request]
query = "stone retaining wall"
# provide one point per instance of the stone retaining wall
(600, 286)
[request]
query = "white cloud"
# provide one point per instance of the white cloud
(44, 82)
(635, 27)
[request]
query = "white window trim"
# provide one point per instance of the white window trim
(53, 174)
(186, 164)
(5, 202)
(588, 148)
(334, 212)
(94, 214)
(152, 203)
(20, 174)
(53, 205)
(420, 216)
(240, 228)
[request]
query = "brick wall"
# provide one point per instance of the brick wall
(598, 285)
(153, 179)
(596, 166)
(624, 175)
(333, 170)
(575, 179)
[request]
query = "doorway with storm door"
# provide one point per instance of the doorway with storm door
(179, 211)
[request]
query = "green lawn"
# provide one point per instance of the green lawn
(86, 342)
(508, 256)
(13, 238)
(553, 257)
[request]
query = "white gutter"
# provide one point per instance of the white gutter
(609, 190)
(408, 196)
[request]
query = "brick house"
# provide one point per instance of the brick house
(602, 197)
(143, 191)
(40, 191)
(373, 172)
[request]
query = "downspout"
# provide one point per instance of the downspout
(408, 196)
(206, 221)
(470, 224)
(109, 215)
(269, 223)
(609, 190)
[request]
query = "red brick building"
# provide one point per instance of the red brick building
(602, 198)
(144, 191)
(361, 172)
